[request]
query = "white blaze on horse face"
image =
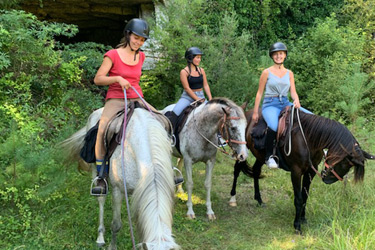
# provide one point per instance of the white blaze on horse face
(240, 147)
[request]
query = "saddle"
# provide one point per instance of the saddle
(113, 132)
(181, 121)
(259, 131)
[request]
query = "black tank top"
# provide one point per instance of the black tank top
(195, 82)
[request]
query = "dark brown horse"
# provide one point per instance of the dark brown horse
(308, 140)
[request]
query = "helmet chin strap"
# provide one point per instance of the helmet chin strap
(136, 52)
(278, 64)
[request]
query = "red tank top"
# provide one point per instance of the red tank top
(132, 73)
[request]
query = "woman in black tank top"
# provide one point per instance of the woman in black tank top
(193, 80)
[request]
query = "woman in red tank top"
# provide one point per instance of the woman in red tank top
(121, 68)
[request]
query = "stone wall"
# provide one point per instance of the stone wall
(99, 21)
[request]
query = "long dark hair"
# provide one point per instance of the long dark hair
(125, 40)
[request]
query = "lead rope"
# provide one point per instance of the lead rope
(123, 159)
(123, 169)
(213, 144)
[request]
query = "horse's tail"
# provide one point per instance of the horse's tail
(245, 168)
(153, 197)
(72, 146)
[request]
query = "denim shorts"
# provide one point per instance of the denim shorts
(271, 108)
(185, 101)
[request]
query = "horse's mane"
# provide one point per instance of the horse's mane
(326, 133)
(225, 101)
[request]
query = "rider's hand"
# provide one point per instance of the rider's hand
(255, 117)
(296, 103)
(124, 83)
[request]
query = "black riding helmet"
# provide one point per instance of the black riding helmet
(278, 46)
(191, 53)
(138, 27)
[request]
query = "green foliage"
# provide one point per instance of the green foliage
(34, 77)
(225, 58)
(268, 21)
(226, 61)
(326, 64)
(359, 14)
(173, 35)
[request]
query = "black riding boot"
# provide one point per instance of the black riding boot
(270, 145)
(173, 118)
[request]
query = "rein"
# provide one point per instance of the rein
(123, 160)
(327, 167)
(228, 141)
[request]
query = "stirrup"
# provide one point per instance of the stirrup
(173, 139)
(98, 193)
(178, 179)
(275, 159)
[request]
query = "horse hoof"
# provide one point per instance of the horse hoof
(211, 217)
(233, 204)
(298, 232)
(100, 244)
(262, 205)
(190, 216)
(143, 246)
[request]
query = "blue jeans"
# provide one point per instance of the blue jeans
(271, 108)
(185, 101)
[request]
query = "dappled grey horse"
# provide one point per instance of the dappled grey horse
(199, 142)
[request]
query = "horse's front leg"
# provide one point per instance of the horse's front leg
(189, 185)
(116, 219)
(257, 169)
(307, 179)
(298, 201)
(101, 200)
(208, 183)
(236, 173)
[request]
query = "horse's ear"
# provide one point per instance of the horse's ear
(224, 110)
(367, 155)
(244, 105)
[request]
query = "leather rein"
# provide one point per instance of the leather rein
(223, 127)
(328, 168)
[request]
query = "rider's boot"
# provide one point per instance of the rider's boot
(173, 118)
(270, 145)
(100, 185)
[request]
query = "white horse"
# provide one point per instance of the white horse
(199, 142)
(148, 175)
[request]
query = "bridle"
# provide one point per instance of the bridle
(224, 127)
(328, 169)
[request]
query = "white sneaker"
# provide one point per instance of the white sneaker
(271, 163)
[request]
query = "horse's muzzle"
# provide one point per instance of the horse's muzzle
(242, 155)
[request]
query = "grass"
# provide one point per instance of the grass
(340, 216)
